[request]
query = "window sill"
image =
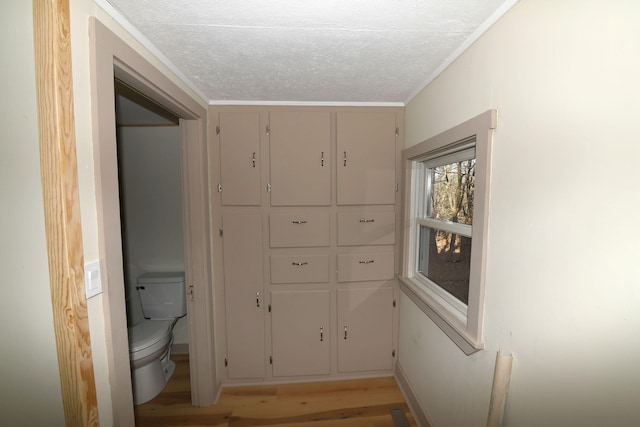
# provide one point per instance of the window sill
(452, 326)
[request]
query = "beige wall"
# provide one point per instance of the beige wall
(30, 386)
(562, 286)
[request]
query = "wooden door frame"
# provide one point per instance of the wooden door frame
(58, 169)
(112, 58)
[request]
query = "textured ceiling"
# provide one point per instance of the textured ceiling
(308, 51)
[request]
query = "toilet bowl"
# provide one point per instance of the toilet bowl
(163, 303)
(149, 353)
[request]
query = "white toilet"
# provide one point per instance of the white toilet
(162, 296)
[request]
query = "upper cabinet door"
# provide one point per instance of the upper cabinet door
(366, 158)
(300, 153)
(240, 159)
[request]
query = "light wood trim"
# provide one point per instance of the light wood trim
(61, 210)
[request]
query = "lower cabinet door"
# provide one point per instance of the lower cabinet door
(365, 325)
(242, 245)
(245, 334)
(300, 332)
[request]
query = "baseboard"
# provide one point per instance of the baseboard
(219, 388)
(419, 414)
(180, 348)
(303, 380)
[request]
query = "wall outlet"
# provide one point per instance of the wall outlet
(92, 283)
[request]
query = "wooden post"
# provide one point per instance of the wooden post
(62, 212)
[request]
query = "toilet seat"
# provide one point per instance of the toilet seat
(147, 337)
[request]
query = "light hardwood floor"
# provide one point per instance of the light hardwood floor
(352, 403)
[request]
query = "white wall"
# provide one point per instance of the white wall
(563, 273)
(150, 159)
(30, 392)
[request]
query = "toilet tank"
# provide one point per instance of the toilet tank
(162, 295)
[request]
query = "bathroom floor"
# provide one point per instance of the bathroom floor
(375, 402)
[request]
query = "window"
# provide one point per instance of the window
(446, 203)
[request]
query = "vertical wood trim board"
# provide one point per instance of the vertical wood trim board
(61, 210)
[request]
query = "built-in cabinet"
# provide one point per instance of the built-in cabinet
(308, 248)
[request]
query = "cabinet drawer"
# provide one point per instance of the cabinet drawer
(365, 266)
(299, 268)
(298, 230)
(366, 228)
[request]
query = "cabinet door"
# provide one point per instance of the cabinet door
(365, 319)
(243, 275)
(240, 159)
(366, 158)
(300, 333)
(300, 144)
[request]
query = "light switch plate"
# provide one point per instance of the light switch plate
(92, 283)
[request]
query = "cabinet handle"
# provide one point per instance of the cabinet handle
(345, 158)
(366, 262)
(257, 299)
(298, 264)
(299, 221)
(253, 159)
(321, 333)
(345, 332)
(367, 220)
(322, 159)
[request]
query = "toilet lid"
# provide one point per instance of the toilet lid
(148, 333)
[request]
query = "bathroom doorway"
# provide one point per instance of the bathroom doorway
(113, 59)
(150, 184)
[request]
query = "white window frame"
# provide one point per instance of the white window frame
(463, 324)
(459, 151)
